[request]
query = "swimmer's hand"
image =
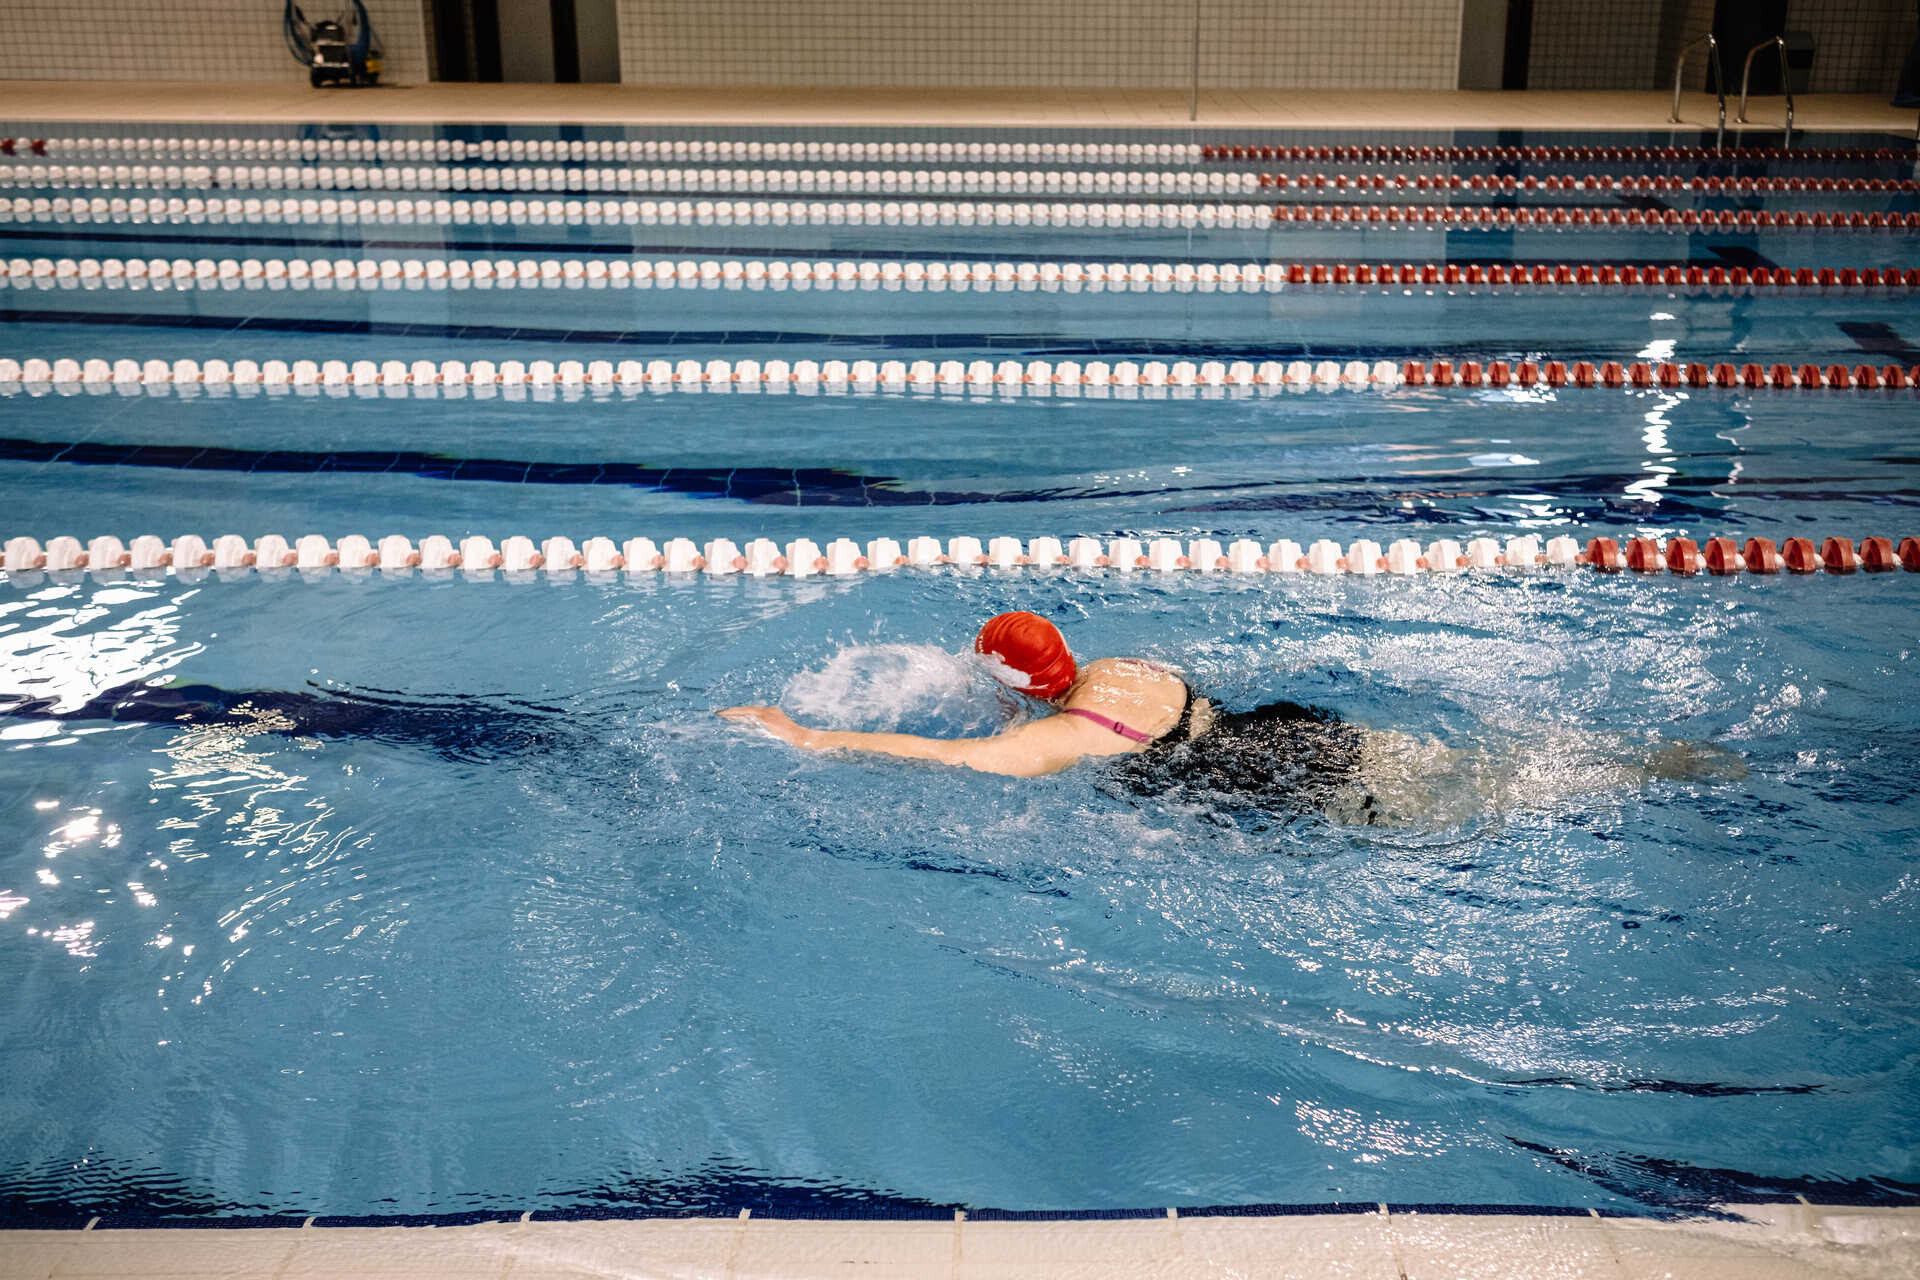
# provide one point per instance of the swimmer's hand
(774, 721)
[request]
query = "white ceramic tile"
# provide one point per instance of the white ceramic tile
(200, 1252)
(1067, 1250)
(1307, 1247)
(31, 1255)
(663, 1246)
(1458, 1247)
(845, 1249)
(1412, 44)
(428, 1251)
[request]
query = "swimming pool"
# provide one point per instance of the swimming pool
(533, 932)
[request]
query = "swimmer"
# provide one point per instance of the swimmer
(1171, 736)
(1170, 740)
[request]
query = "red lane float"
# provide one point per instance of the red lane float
(1643, 555)
(1599, 183)
(1761, 556)
(1229, 152)
(1683, 556)
(1589, 275)
(1511, 216)
(1642, 376)
(1721, 557)
(1799, 556)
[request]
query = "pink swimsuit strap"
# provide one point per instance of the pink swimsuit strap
(1108, 722)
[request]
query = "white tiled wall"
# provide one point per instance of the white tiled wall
(1595, 44)
(183, 40)
(1858, 44)
(1409, 44)
(1632, 44)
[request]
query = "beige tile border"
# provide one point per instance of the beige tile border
(1806, 1242)
(23, 101)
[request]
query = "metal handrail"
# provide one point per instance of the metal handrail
(1746, 77)
(1719, 82)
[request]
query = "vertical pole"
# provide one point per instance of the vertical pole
(1193, 106)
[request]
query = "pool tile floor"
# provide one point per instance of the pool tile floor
(1762, 1242)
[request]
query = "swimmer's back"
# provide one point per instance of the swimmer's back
(1282, 757)
(1119, 706)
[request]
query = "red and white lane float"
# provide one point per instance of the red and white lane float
(125, 146)
(569, 380)
(1094, 182)
(755, 275)
(437, 210)
(26, 561)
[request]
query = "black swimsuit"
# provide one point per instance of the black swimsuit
(1280, 758)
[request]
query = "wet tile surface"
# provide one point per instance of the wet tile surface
(1772, 1242)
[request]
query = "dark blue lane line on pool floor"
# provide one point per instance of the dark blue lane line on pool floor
(1732, 255)
(784, 486)
(1586, 495)
(1040, 344)
(1878, 339)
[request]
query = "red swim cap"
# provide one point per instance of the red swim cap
(1034, 648)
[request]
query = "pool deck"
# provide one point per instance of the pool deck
(1760, 1242)
(25, 101)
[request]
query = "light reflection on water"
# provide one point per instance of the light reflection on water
(555, 931)
(453, 947)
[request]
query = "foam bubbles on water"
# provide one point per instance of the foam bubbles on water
(903, 688)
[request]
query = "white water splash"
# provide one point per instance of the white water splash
(902, 688)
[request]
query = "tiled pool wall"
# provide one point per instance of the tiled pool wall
(1059, 44)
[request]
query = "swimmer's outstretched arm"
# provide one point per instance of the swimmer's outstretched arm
(1027, 751)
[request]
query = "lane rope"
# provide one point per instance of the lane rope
(575, 212)
(578, 149)
(905, 149)
(1239, 152)
(1591, 183)
(1041, 378)
(801, 181)
(888, 181)
(190, 556)
(753, 273)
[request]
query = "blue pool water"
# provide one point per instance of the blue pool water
(529, 929)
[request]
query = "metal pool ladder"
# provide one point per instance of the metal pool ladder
(1746, 77)
(1719, 84)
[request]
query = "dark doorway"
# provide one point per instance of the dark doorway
(1739, 25)
(529, 41)
(466, 40)
(1513, 72)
